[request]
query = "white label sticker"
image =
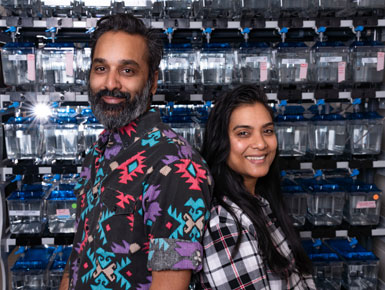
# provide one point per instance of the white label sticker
(219, 60)
(341, 71)
(263, 71)
(69, 64)
(254, 59)
(31, 75)
(15, 57)
(331, 59)
(135, 3)
(303, 71)
(380, 61)
(293, 61)
(366, 60)
(178, 61)
(366, 204)
(24, 212)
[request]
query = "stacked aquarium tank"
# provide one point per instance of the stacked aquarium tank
(23, 138)
(292, 132)
(18, 62)
(180, 64)
(30, 269)
(327, 134)
(365, 133)
(61, 211)
(325, 202)
(360, 265)
(292, 62)
(216, 63)
(61, 136)
(26, 211)
(367, 61)
(254, 63)
(330, 62)
(295, 198)
(327, 265)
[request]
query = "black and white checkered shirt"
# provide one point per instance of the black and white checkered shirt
(245, 270)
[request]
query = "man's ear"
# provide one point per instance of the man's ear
(154, 85)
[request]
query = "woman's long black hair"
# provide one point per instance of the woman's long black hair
(216, 149)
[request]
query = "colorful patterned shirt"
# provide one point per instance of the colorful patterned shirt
(246, 269)
(142, 205)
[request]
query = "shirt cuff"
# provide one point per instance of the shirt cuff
(174, 254)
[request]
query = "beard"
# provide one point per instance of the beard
(114, 116)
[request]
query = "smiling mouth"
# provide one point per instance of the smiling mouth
(256, 157)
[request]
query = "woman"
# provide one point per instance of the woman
(250, 243)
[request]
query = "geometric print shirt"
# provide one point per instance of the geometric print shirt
(143, 200)
(246, 269)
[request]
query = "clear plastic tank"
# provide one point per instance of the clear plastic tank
(292, 135)
(57, 267)
(365, 133)
(61, 211)
(295, 199)
(367, 62)
(216, 8)
(56, 64)
(180, 64)
(330, 62)
(25, 210)
(23, 138)
(327, 134)
(216, 64)
(18, 61)
(292, 62)
(254, 63)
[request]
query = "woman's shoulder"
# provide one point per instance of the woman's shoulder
(220, 213)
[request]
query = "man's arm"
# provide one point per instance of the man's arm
(65, 280)
(170, 280)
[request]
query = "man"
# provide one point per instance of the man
(143, 194)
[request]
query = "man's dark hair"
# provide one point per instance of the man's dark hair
(131, 25)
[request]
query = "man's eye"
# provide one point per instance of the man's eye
(100, 68)
(128, 71)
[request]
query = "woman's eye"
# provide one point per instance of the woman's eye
(242, 133)
(269, 131)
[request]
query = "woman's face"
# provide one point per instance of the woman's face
(253, 143)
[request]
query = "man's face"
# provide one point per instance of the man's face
(119, 88)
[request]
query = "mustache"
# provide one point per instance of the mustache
(114, 93)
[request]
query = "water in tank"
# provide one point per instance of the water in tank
(298, 7)
(360, 265)
(367, 61)
(56, 64)
(23, 138)
(295, 198)
(176, 8)
(56, 270)
(327, 134)
(325, 202)
(18, 62)
(30, 269)
(292, 133)
(61, 137)
(61, 211)
(216, 64)
(180, 64)
(330, 62)
(216, 8)
(370, 3)
(25, 211)
(254, 63)
(97, 8)
(327, 265)
(83, 60)
(292, 61)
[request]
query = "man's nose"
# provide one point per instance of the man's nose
(113, 81)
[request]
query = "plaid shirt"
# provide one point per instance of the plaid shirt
(245, 270)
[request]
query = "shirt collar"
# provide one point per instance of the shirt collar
(129, 133)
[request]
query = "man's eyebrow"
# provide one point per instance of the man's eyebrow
(268, 124)
(121, 62)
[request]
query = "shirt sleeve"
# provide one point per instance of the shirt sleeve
(175, 210)
(223, 269)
